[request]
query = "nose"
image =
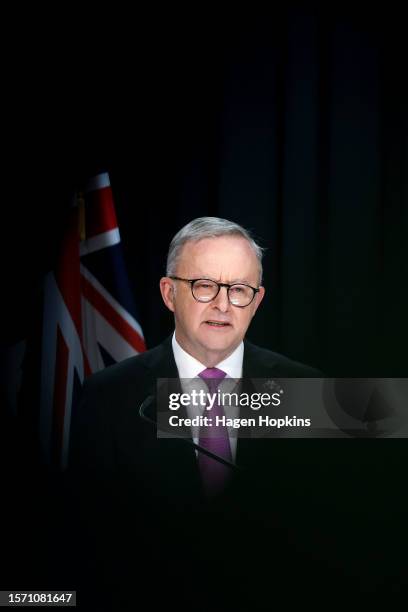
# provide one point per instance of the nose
(222, 301)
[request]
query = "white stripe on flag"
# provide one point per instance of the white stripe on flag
(98, 182)
(109, 298)
(97, 330)
(101, 241)
(57, 315)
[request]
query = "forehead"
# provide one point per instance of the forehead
(224, 258)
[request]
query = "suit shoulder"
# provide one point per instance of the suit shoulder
(279, 365)
(124, 371)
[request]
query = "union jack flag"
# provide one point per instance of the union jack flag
(89, 318)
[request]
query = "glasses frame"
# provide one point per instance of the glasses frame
(195, 280)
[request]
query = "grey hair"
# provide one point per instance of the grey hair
(208, 227)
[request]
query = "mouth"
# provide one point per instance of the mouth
(217, 324)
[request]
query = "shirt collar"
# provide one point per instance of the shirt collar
(189, 367)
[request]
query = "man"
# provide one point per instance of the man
(197, 520)
(214, 288)
(145, 484)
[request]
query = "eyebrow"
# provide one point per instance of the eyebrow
(238, 281)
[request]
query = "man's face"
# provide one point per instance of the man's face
(226, 259)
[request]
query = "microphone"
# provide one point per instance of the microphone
(149, 400)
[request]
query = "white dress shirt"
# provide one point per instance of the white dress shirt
(189, 368)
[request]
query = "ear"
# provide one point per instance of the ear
(167, 292)
(258, 299)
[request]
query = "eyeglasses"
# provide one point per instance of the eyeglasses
(205, 290)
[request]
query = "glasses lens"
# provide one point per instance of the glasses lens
(240, 295)
(205, 290)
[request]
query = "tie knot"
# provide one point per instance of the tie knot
(212, 376)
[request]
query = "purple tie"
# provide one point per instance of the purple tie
(214, 439)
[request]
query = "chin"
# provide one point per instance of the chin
(219, 347)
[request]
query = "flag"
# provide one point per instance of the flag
(89, 315)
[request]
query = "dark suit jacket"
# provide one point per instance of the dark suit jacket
(123, 443)
(290, 514)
